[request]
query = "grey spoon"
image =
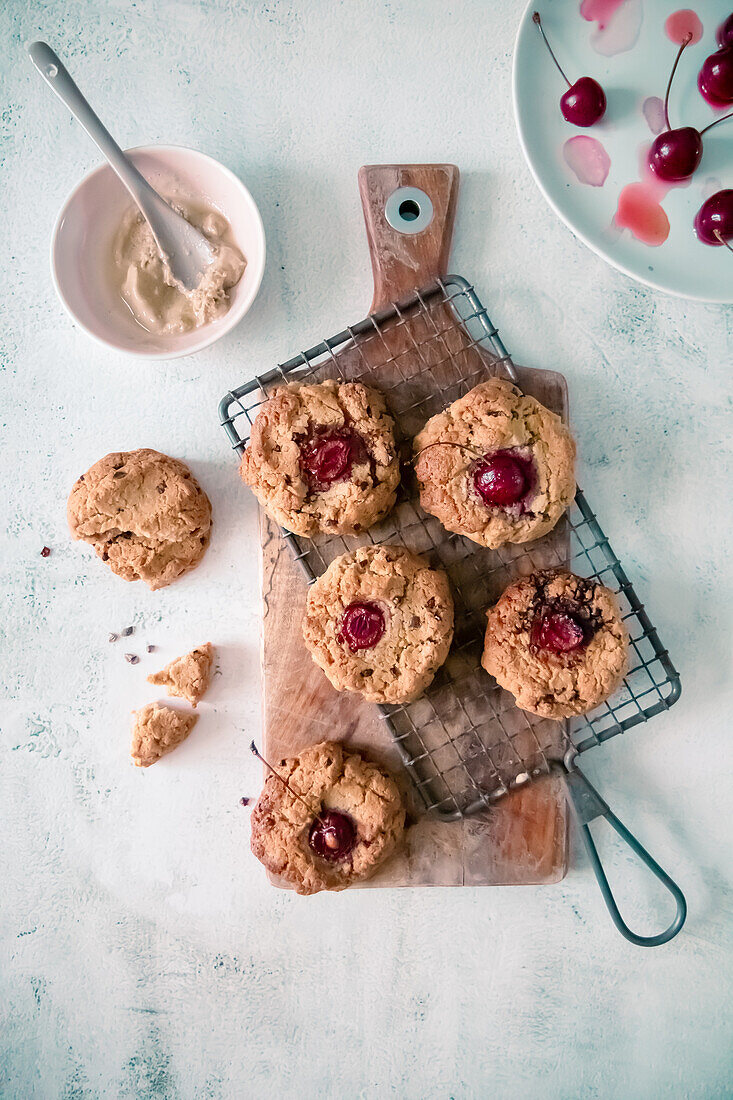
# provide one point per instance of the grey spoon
(187, 251)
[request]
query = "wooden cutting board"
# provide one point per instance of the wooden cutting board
(523, 838)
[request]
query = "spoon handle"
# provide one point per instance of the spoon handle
(56, 76)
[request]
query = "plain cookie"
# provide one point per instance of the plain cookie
(187, 677)
(557, 643)
(323, 458)
(496, 466)
(379, 622)
(157, 731)
(145, 515)
(352, 820)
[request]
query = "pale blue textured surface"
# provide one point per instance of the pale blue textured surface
(142, 952)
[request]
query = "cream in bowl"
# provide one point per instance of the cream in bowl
(116, 285)
(149, 288)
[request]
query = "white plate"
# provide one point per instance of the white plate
(682, 265)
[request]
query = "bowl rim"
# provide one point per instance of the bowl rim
(604, 255)
(232, 317)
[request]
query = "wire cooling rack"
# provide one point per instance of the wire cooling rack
(464, 743)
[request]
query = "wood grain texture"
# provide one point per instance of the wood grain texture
(401, 262)
(421, 362)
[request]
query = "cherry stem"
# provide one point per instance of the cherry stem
(721, 238)
(258, 754)
(536, 19)
(685, 42)
(710, 126)
(447, 443)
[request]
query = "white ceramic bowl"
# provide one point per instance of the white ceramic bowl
(82, 244)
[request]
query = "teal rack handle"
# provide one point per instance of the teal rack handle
(588, 805)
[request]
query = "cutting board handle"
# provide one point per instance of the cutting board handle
(409, 238)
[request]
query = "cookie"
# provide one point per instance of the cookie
(156, 731)
(496, 466)
(145, 515)
(379, 622)
(557, 643)
(187, 677)
(350, 820)
(323, 458)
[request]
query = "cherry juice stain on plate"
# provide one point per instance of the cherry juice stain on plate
(640, 211)
(640, 204)
(586, 157)
(653, 110)
(681, 23)
(619, 23)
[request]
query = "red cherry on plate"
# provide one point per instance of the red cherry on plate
(715, 79)
(557, 631)
(500, 479)
(332, 835)
(724, 33)
(362, 625)
(584, 103)
(675, 154)
(714, 219)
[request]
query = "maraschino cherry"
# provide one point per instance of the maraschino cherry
(332, 835)
(362, 625)
(675, 154)
(714, 219)
(557, 631)
(715, 79)
(584, 103)
(501, 479)
(327, 456)
(724, 33)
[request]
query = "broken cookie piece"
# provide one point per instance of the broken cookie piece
(187, 677)
(157, 731)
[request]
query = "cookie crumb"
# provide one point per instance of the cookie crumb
(187, 677)
(244, 801)
(150, 649)
(156, 731)
(132, 658)
(46, 551)
(128, 631)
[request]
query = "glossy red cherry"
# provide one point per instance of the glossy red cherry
(724, 33)
(557, 631)
(362, 625)
(714, 219)
(501, 479)
(715, 79)
(675, 154)
(332, 835)
(584, 103)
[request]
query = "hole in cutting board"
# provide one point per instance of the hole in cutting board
(409, 210)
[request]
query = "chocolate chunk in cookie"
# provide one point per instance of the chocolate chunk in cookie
(187, 677)
(144, 514)
(323, 458)
(379, 622)
(157, 731)
(557, 643)
(349, 821)
(496, 466)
